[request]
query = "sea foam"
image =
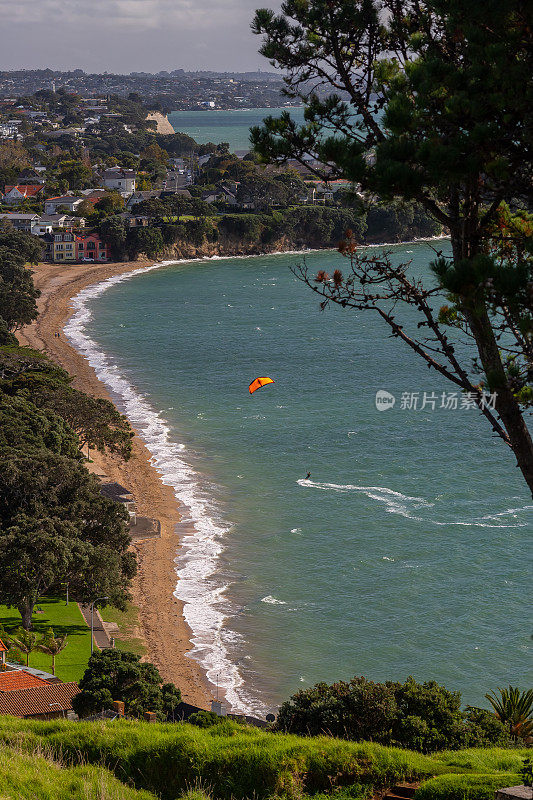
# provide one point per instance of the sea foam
(202, 541)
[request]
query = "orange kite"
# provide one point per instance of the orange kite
(255, 385)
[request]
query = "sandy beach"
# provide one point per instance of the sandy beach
(163, 628)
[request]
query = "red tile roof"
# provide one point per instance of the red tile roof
(27, 191)
(39, 700)
(3, 648)
(16, 679)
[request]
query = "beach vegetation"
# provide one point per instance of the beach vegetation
(420, 716)
(30, 773)
(144, 240)
(118, 675)
(26, 427)
(420, 103)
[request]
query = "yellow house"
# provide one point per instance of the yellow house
(60, 246)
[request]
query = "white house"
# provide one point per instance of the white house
(29, 223)
(68, 201)
(122, 180)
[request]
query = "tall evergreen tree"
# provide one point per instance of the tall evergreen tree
(429, 101)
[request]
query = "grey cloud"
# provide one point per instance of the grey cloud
(126, 35)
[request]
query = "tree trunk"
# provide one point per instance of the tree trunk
(26, 612)
(506, 404)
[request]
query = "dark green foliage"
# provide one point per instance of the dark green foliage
(485, 729)
(17, 292)
(118, 675)
(527, 772)
(29, 248)
(399, 222)
(96, 421)
(6, 337)
(246, 227)
(25, 427)
(55, 526)
(436, 109)
(322, 226)
(144, 240)
(204, 719)
(113, 231)
(420, 716)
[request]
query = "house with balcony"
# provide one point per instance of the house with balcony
(28, 223)
(62, 221)
(61, 246)
(89, 247)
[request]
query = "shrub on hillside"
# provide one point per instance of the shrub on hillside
(205, 719)
(118, 675)
(420, 716)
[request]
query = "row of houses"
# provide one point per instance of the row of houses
(115, 179)
(41, 224)
(62, 246)
(62, 242)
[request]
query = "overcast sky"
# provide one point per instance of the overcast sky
(130, 35)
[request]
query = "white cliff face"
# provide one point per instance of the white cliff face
(163, 125)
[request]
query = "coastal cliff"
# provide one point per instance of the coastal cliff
(163, 125)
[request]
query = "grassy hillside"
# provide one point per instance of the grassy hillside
(27, 776)
(232, 761)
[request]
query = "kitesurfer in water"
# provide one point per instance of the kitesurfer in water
(307, 476)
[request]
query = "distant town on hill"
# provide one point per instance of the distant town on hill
(166, 91)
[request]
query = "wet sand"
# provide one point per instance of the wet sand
(162, 626)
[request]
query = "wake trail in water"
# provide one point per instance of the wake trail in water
(405, 505)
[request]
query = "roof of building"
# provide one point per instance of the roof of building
(40, 673)
(57, 217)
(118, 172)
(39, 700)
(19, 216)
(17, 679)
(26, 189)
(116, 492)
(65, 198)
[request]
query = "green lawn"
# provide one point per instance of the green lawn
(128, 623)
(53, 613)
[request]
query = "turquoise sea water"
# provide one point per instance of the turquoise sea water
(408, 550)
(232, 125)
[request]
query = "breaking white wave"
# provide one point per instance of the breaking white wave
(272, 601)
(202, 542)
(404, 505)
